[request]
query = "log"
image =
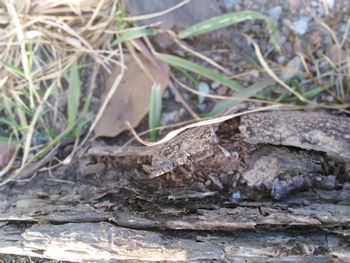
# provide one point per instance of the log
(97, 210)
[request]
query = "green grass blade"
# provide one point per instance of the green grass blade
(7, 139)
(309, 94)
(193, 82)
(14, 70)
(73, 95)
(200, 70)
(8, 123)
(133, 34)
(229, 19)
(240, 96)
(30, 56)
(316, 91)
(155, 110)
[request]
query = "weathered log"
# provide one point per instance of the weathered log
(93, 211)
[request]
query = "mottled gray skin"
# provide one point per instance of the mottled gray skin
(306, 130)
(190, 146)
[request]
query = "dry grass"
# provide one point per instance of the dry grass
(40, 41)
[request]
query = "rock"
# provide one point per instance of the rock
(329, 3)
(168, 117)
(172, 117)
(215, 85)
(231, 4)
(222, 91)
(204, 89)
(179, 18)
(281, 59)
(300, 26)
(275, 13)
(292, 68)
(314, 3)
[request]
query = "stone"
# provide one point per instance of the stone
(222, 91)
(275, 13)
(204, 89)
(300, 26)
(292, 68)
(231, 4)
(180, 18)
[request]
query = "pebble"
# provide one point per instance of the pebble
(314, 3)
(222, 91)
(230, 4)
(275, 13)
(292, 68)
(306, 202)
(172, 116)
(236, 197)
(329, 3)
(204, 89)
(168, 117)
(300, 26)
(215, 85)
(320, 10)
(166, 94)
(281, 59)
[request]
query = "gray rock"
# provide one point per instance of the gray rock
(329, 3)
(300, 26)
(204, 89)
(184, 16)
(292, 68)
(314, 3)
(230, 4)
(275, 13)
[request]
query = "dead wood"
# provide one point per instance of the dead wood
(217, 202)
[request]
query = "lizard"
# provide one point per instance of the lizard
(296, 142)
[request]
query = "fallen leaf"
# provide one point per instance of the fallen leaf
(131, 100)
(6, 151)
(295, 5)
(336, 54)
(316, 40)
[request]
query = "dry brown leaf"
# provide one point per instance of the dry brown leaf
(295, 5)
(336, 54)
(6, 151)
(131, 100)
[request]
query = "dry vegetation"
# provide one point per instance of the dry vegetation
(41, 100)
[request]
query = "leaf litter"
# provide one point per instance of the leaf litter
(130, 102)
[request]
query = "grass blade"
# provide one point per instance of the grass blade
(200, 70)
(316, 91)
(73, 95)
(133, 34)
(221, 106)
(155, 111)
(14, 70)
(229, 19)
